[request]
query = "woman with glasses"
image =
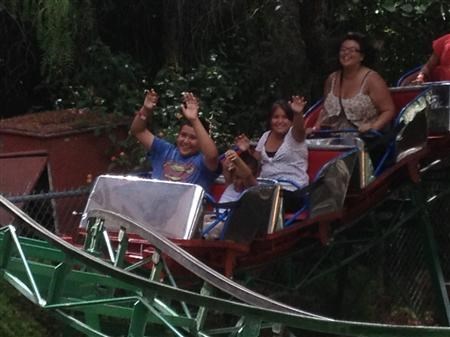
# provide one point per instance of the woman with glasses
(356, 97)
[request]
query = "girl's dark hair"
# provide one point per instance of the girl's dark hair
(283, 105)
(364, 46)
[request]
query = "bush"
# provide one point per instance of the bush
(21, 318)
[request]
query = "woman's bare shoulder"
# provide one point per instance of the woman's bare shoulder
(328, 81)
(331, 76)
(373, 75)
(375, 81)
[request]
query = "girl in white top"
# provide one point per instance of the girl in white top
(281, 150)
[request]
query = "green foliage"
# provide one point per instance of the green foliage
(108, 83)
(21, 318)
(214, 83)
(55, 36)
(62, 28)
(268, 44)
(278, 47)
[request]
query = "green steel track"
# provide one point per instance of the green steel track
(99, 298)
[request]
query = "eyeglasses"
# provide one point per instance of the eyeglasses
(349, 50)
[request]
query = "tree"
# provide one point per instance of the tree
(273, 47)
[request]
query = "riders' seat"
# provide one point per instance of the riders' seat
(250, 216)
(172, 209)
(327, 191)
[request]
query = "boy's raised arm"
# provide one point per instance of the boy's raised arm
(143, 116)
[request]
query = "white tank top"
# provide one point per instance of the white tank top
(290, 162)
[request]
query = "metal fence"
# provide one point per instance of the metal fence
(59, 212)
(376, 270)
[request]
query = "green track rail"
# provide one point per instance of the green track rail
(100, 299)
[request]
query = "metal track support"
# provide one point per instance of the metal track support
(432, 256)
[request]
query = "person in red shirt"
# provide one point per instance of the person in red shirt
(437, 67)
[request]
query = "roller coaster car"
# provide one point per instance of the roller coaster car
(344, 185)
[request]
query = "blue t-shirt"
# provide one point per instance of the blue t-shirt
(169, 164)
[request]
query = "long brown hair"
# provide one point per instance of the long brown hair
(283, 105)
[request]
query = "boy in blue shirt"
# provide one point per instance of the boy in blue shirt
(194, 158)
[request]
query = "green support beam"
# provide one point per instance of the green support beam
(432, 257)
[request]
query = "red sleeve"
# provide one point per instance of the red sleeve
(439, 44)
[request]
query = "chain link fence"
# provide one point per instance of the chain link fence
(59, 212)
(377, 270)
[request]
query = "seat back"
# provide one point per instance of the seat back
(403, 96)
(331, 184)
(173, 209)
(217, 188)
(328, 189)
(312, 114)
(438, 118)
(318, 157)
(412, 124)
(254, 213)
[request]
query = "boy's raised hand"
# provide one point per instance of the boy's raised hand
(151, 99)
(190, 106)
